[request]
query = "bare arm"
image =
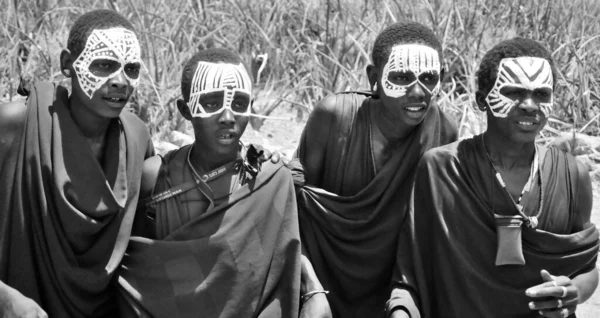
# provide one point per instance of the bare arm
(317, 305)
(313, 143)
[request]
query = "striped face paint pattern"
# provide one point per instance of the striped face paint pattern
(230, 79)
(415, 58)
(116, 44)
(524, 72)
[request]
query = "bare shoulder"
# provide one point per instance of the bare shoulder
(323, 113)
(12, 119)
(150, 172)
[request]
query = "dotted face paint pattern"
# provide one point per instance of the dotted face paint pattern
(525, 72)
(218, 77)
(116, 44)
(414, 58)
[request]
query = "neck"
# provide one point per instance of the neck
(206, 161)
(91, 126)
(508, 154)
(393, 130)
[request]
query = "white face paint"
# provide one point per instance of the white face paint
(231, 80)
(415, 58)
(116, 44)
(524, 72)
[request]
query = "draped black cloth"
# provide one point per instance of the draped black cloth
(240, 258)
(65, 219)
(455, 199)
(353, 223)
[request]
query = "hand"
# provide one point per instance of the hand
(316, 306)
(565, 143)
(19, 306)
(257, 154)
(557, 297)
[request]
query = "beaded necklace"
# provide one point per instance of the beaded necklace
(530, 221)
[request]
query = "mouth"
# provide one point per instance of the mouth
(120, 100)
(527, 124)
(415, 109)
(227, 138)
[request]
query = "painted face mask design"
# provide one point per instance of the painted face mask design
(227, 85)
(524, 72)
(116, 44)
(414, 58)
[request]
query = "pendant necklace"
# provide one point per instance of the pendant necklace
(530, 221)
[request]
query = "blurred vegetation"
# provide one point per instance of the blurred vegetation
(315, 48)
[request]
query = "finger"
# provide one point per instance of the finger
(552, 291)
(558, 313)
(552, 304)
(275, 157)
(559, 281)
(546, 276)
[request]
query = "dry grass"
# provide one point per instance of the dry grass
(316, 47)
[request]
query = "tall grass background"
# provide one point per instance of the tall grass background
(315, 48)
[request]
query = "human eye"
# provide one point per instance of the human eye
(103, 67)
(401, 78)
(429, 78)
(211, 105)
(132, 70)
(240, 106)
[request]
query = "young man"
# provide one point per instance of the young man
(359, 152)
(503, 225)
(215, 238)
(69, 177)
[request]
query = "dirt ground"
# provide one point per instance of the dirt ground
(283, 136)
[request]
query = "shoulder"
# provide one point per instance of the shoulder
(138, 131)
(445, 153)
(134, 122)
(12, 120)
(449, 130)
(580, 184)
(339, 103)
(150, 171)
(13, 113)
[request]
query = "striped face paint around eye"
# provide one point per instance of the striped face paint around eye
(415, 58)
(232, 80)
(524, 72)
(116, 44)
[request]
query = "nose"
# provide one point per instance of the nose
(417, 92)
(528, 105)
(227, 117)
(119, 80)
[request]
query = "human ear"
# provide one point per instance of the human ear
(372, 75)
(184, 109)
(66, 62)
(481, 102)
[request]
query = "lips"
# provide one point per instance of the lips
(227, 137)
(117, 99)
(528, 123)
(415, 107)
